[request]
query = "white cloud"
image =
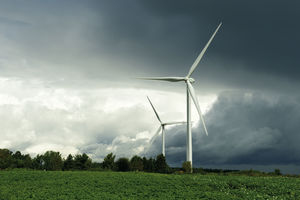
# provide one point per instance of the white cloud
(37, 117)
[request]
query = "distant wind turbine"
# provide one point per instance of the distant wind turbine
(190, 93)
(161, 128)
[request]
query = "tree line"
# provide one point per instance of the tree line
(52, 160)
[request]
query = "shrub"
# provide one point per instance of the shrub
(179, 172)
(187, 167)
(277, 172)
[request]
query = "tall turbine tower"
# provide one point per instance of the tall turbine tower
(162, 128)
(190, 93)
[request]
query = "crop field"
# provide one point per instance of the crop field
(22, 184)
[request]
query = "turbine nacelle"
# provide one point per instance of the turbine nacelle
(191, 80)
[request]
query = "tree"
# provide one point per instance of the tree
(52, 160)
(109, 161)
(136, 163)
(123, 164)
(187, 167)
(82, 162)
(17, 160)
(27, 161)
(21, 161)
(6, 159)
(277, 172)
(17, 155)
(148, 164)
(38, 162)
(161, 165)
(69, 163)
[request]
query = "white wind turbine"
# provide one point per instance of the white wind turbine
(190, 92)
(161, 128)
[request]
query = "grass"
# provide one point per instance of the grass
(23, 184)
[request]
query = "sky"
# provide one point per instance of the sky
(68, 79)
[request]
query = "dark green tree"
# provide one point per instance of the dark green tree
(52, 160)
(82, 162)
(123, 164)
(17, 155)
(27, 161)
(277, 172)
(109, 162)
(136, 163)
(69, 163)
(18, 160)
(148, 164)
(161, 165)
(38, 162)
(6, 160)
(21, 161)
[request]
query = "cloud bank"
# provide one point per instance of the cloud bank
(245, 129)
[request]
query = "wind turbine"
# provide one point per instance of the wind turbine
(190, 93)
(161, 128)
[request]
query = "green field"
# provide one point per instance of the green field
(22, 184)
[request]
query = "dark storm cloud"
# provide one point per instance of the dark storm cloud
(99, 41)
(261, 33)
(257, 46)
(244, 129)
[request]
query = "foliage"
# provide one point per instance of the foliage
(199, 170)
(95, 166)
(123, 164)
(22, 184)
(136, 163)
(52, 161)
(277, 172)
(148, 164)
(21, 161)
(187, 167)
(38, 162)
(24, 161)
(82, 162)
(109, 162)
(5, 158)
(161, 165)
(69, 163)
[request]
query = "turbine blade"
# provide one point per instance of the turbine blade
(195, 64)
(172, 123)
(154, 136)
(194, 97)
(170, 79)
(154, 110)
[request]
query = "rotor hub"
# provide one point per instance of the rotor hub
(191, 80)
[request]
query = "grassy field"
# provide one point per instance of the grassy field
(22, 184)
